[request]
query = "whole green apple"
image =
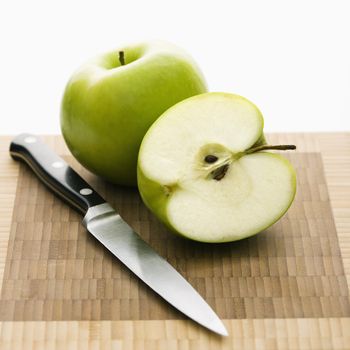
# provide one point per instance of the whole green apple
(204, 172)
(112, 100)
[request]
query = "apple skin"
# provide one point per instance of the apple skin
(152, 194)
(108, 107)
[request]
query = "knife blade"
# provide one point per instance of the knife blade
(107, 226)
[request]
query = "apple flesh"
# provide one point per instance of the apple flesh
(204, 172)
(112, 100)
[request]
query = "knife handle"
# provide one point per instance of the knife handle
(54, 172)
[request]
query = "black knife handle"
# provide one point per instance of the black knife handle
(54, 172)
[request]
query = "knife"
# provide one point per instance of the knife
(106, 225)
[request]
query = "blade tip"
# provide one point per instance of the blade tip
(223, 332)
(220, 329)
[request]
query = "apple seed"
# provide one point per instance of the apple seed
(210, 158)
(219, 174)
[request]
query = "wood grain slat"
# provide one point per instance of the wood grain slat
(269, 334)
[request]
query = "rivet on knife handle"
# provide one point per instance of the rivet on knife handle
(54, 172)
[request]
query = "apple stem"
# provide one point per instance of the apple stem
(270, 147)
(220, 172)
(121, 58)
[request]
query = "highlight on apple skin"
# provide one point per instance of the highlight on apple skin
(110, 102)
(204, 170)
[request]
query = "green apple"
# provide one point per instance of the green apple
(112, 100)
(203, 171)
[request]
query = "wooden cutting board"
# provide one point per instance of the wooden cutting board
(286, 288)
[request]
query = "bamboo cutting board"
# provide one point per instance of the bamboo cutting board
(286, 288)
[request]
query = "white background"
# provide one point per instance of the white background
(292, 58)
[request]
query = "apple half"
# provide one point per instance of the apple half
(203, 170)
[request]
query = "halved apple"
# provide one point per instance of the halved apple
(202, 170)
